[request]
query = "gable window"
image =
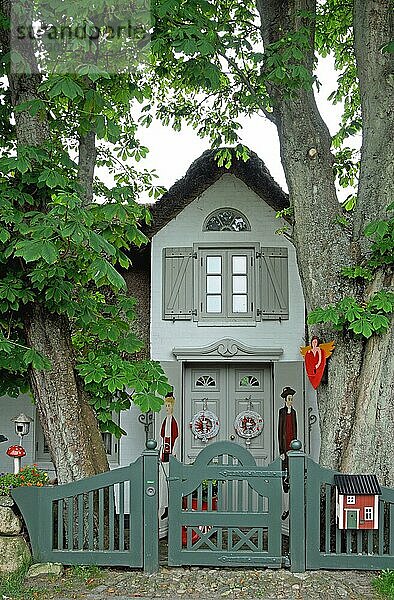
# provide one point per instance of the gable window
(226, 219)
(225, 282)
(351, 499)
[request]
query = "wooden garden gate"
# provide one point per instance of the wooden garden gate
(224, 510)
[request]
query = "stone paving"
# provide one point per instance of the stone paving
(203, 584)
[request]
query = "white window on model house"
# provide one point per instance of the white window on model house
(351, 499)
(368, 513)
(226, 219)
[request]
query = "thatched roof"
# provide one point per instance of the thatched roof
(202, 173)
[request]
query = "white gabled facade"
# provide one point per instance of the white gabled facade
(269, 348)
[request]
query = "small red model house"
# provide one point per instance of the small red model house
(357, 501)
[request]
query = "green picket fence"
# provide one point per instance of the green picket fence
(108, 519)
(328, 547)
(223, 510)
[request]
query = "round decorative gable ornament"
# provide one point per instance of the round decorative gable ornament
(205, 425)
(248, 424)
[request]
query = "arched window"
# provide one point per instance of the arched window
(226, 219)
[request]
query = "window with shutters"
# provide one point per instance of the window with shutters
(227, 283)
(217, 283)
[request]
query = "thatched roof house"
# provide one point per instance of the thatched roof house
(201, 174)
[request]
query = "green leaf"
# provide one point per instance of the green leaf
(380, 323)
(4, 235)
(99, 243)
(378, 228)
(115, 278)
(31, 106)
(388, 47)
(29, 251)
(66, 87)
(33, 358)
(362, 327)
(22, 164)
(49, 252)
(130, 344)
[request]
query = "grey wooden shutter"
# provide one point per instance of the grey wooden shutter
(177, 283)
(274, 284)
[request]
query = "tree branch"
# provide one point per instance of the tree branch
(245, 80)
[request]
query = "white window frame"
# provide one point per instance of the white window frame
(350, 499)
(368, 510)
(226, 251)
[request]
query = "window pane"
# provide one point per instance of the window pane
(214, 264)
(239, 264)
(214, 284)
(240, 303)
(239, 284)
(107, 440)
(214, 304)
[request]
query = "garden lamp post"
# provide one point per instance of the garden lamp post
(22, 428)
(22, 425)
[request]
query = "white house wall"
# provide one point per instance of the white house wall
(185, 230)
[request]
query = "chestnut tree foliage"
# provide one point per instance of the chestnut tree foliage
(66, 320)
(230, 58)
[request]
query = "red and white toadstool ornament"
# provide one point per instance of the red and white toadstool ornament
(16, 452)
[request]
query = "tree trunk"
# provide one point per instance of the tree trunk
(355, 406)
(68, 422)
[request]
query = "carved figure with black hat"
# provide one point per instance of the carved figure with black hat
(287, 429)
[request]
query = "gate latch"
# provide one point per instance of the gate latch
(150, 490)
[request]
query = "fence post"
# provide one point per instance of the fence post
(297, 507)
(151, 507)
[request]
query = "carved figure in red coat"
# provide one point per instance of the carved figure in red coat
(169, 434)
(287, 430)
(169, 430)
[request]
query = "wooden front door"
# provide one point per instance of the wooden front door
(228, 390)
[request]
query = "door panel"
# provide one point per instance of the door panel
(228, 390)
(249, 389)
(203, 385)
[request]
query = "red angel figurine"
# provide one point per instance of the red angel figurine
(315, 357)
